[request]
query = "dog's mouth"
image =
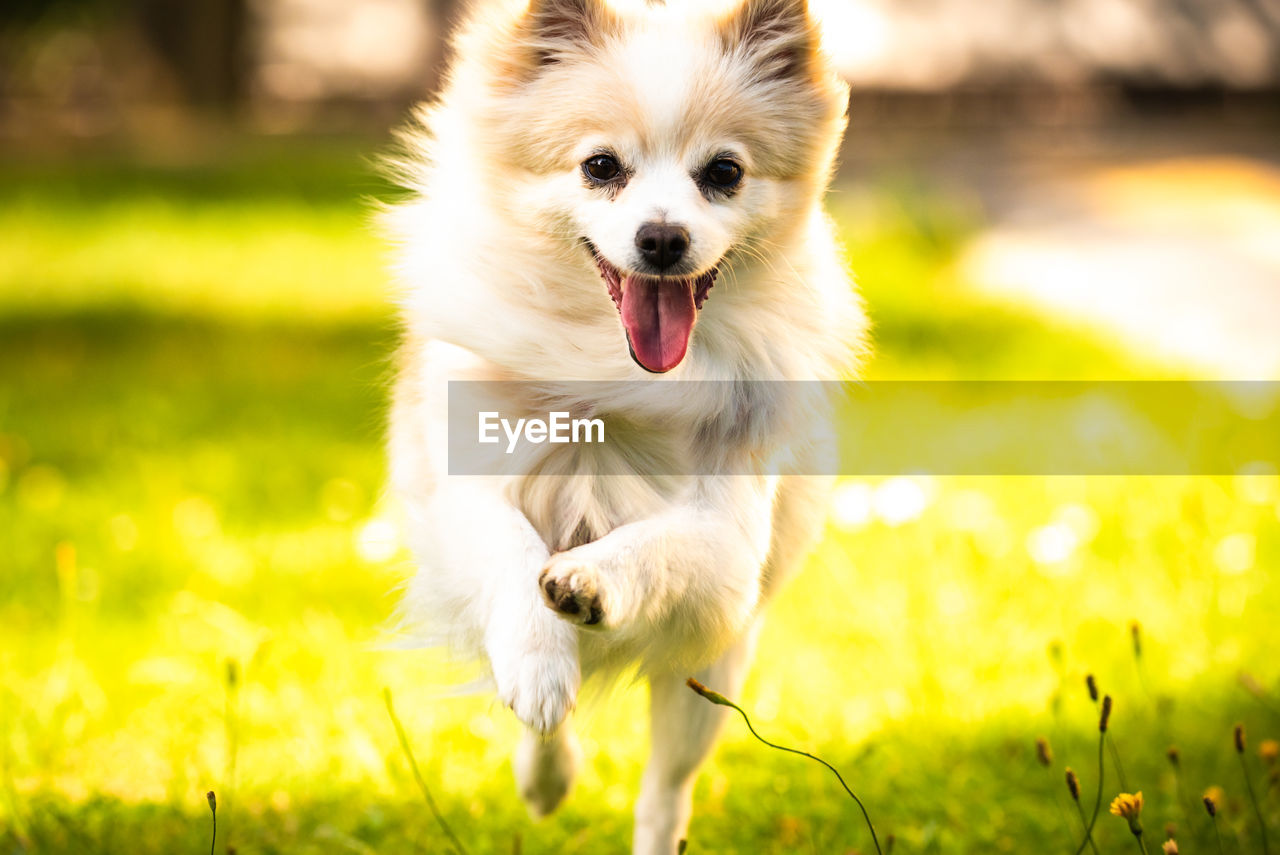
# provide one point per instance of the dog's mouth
(658, 312)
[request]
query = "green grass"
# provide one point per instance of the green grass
(192, 367)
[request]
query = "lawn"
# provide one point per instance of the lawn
(197, 560)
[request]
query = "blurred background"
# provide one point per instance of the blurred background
(197, 559)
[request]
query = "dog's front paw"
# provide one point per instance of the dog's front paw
(572, 586)
(539, 686)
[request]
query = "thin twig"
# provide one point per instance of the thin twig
(417, 775)
(1182, 802)
(717, 698)
(1115, 759)
(231, 720)
(1115, 756)
(213, 807)
(1218, 835)
(1097, 806)
(1253, 797)
(1088, 834)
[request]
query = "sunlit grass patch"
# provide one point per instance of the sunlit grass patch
(257, 232)
(191, 475)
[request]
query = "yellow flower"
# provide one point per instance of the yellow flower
(1170, 847)
(1269, 750)
(1127, 806)
(1130, 808)
(1216, 795)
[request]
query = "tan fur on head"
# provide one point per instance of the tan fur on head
(555, 31)
(780, 36)
(762, 74)
(673, 83)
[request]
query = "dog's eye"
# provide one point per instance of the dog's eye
(601, 168)
(722, 174)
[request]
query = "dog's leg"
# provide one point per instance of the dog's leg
(545, 767)
(481, 563)
(690, 576)
(683, 727)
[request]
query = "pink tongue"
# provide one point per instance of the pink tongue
(658, 315)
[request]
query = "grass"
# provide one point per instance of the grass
(192, 366)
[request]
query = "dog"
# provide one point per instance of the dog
(625, 200)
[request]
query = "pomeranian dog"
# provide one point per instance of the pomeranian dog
(632, 197)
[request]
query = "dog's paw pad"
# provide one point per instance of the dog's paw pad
(571, 588)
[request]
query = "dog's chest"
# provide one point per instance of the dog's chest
(576, 493)
(579, 493)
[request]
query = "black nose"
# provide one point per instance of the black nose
(662, 244)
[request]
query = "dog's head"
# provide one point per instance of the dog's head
(665, 147)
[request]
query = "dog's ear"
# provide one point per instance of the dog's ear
(779, 36)
(552, 31)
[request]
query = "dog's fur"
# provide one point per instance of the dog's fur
(506, 253)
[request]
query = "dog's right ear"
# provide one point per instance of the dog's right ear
(780, 36)
(555, 31)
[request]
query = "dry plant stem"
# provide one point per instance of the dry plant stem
(1253, 797)
(717, 698)
(1097, 805)
(1088, 835)
(232, 721)
(454, 842)
(1115, 760)
(1066, 817)
(1182, 802)
(1218, 834)
(213, 807)
(1142, 677)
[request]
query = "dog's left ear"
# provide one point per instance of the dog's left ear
(780, 36)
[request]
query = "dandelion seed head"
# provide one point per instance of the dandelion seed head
(1073, 784)
(1235, 553)
(377, 541)
(900, 500)
(852, 505)
(1044, 754)
(1051, 545)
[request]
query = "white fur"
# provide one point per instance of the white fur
(498, 285)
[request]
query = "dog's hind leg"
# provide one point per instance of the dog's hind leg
(545, 766)
(683, 727)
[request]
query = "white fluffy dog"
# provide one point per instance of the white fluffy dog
(588, 173)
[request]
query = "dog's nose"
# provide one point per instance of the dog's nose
(662, 244)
